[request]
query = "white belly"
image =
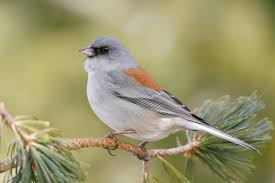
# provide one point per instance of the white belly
(122, 115)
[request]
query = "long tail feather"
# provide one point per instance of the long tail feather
(222, 135)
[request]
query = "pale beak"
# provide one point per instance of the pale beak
(87, 51)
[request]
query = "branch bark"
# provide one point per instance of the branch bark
(145, 171)
(79, 143)
(11, 122)
(8, 164)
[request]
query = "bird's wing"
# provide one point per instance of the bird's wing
(142, 90)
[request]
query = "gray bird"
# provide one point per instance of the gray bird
(130, 102)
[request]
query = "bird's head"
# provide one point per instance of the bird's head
(108, 53)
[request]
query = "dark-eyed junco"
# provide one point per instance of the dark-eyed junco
(127, 99)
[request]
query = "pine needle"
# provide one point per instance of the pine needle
(44, 159)
(238, 118)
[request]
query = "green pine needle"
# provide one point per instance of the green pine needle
(237, 118)
(173, 172)
(44, 159)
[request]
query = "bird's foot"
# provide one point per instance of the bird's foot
(113, 135)
(142, 146)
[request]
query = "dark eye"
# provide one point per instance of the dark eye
(104, 49)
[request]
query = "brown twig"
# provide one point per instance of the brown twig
(8, 164)
(79, 143)
(145, 171)
(11, 122)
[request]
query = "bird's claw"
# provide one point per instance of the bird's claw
(142, 146)
(112, 135)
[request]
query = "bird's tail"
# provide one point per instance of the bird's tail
(222, 135)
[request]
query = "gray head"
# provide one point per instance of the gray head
(106, 53)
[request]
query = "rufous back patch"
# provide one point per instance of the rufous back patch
(143, 78)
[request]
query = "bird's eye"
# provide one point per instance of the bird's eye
(104, 49)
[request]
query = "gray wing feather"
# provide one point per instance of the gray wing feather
(161, 102)
(161, 105)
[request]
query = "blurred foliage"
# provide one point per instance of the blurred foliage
(195, 49)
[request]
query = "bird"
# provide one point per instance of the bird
(131, 102)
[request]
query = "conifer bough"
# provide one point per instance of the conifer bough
(39, 154)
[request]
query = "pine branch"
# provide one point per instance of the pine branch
(38, 152)
(8, 164)
(41, 154)
(79, 143)
(145, 171)
(11, 122)
(237, 118)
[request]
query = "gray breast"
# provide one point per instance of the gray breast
(121, 114)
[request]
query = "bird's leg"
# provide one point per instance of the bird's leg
(142, 146)
(113, 135)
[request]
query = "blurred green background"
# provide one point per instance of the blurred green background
(195, 49)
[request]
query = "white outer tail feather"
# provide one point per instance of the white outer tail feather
(222, 135)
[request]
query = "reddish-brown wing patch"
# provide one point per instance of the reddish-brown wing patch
(143, 78)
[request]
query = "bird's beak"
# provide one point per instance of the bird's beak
(87, 51)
